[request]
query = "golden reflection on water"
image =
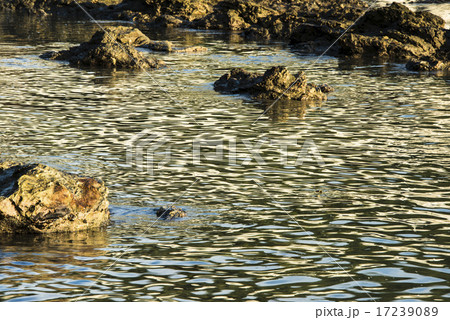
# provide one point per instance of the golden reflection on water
(378, 205)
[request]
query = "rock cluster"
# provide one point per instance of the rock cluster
(112, 47)
(115, 47)
(396, 33)
(35, 198)
(277, 82)
(392, 32)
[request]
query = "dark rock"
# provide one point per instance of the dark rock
(275, 83)
(234, 15)
(393, 32)
(35, 198)
(112, 47)
(396, 33)
(42, 7)
(170, 212)
(427, 64)
(167, 46)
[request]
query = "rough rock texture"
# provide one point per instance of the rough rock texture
(35, 198)
(55, 6)
(392, 32)
(112, 47)
(274, 83)
(395, 31)
(170, 212)
(426, 63)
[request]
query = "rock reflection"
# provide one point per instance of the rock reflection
(84, 243)
(285, 109)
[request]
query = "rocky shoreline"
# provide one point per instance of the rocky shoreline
(393, 33)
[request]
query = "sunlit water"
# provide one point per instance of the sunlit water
(370, 222)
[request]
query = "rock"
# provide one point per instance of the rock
(112, 47)
(393, 32)
(54, 6)
(275, 83)
(185, 9)
(396, 33)
(170, 212)
(124, 35)
(427, 64)
(167, 46)
(234, 15)
(35, 198)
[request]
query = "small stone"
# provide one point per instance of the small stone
(170, 212)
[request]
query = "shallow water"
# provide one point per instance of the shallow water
(370, 222)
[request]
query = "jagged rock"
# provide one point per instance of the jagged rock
(234, 15)
(392, 32)
(112, 47)
(124, 35)
(397, 33)
(40, 7)
(170, 212)
(277, 82)
(427, 64)
(35, 198)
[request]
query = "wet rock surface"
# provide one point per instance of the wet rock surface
(169, 47)
(392, 32)
(63, 7)
(397, 33)
(35, 198)
(170, 212)
(113, 47)
(277, 82)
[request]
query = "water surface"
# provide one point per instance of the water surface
(369, 223)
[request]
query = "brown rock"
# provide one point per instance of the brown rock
(277, 82)
(112, 47)
(35, 198)
(397, 33)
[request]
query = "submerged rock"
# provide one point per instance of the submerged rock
(170, 212)
(35, 198)
(113, 47)
(167, 46)
(277, 82)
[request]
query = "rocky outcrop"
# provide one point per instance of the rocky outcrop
(426, 63)
(35, 198)
(113, 47)
(392, 32)
(170, 212)
(395, 32)
(275, 83)
(65, 7)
